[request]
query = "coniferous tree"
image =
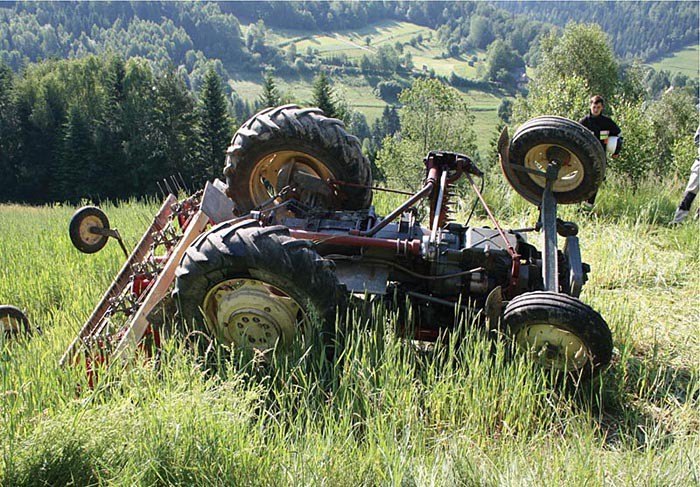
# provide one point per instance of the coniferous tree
(8, 176)
(387, 125)
(392, 120)
(323, 96)
(77, 168)
(41, 115)
(114, 180)
(215, 125)
(242, 110)
(173, 124)
(270, 96)
(140, 144)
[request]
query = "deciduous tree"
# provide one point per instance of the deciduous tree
(433, 117)
(585, 51)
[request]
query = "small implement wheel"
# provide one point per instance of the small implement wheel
(299, 148)
(540, 140)
(14, 321)
(256, 287)
(82, 229)
(560, 332)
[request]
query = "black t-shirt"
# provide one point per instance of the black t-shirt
(601, 126)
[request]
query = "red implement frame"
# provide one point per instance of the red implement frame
(120, 320)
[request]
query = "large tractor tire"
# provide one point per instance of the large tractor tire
(541, 139)
(256, 287)
(288, 145)
(560, 332)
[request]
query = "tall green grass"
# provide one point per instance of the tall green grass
(383, 411)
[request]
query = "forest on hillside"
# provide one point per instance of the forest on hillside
(189, 33)
(101, 100)
(644, 30)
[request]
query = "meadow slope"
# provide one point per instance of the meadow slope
(386, 414)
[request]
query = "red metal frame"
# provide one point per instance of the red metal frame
(108, 324)
(402, 247)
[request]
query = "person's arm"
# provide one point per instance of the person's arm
(697, 136)
(614, 129)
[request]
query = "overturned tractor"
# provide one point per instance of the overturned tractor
(292, 235)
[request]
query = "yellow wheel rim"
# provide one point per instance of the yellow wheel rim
(252, 314)
(553, 347)
(11, 325)
(86, 235)
(273, 171)
(570, 175)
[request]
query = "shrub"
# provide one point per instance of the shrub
(641, 147)
(389, 90)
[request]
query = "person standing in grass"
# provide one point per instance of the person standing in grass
(603, 127)
(691, 189)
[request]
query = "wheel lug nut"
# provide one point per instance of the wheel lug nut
(267, 309)
(245, 319)
(256, 320)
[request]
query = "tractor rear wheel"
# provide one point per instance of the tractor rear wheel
(288, 145)
(537, 142)
(256, 287)
(14, 322)
(560, 332)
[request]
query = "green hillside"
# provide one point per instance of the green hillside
(65, 67)
(685, 61)
(428, 56)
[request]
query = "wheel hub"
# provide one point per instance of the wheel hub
(85, 232)
(274, 171)
(249, 313)
(570, 175)
(554, 347)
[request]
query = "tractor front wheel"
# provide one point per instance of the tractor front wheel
(542, 139)
(560, 332)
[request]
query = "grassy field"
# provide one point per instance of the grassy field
(686, 61)
(386, 414)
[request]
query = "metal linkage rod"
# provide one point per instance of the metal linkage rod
(510, 248)
(374, 188)
(427, 189)
(438, 207)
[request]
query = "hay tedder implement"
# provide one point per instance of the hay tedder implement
(292, 236)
